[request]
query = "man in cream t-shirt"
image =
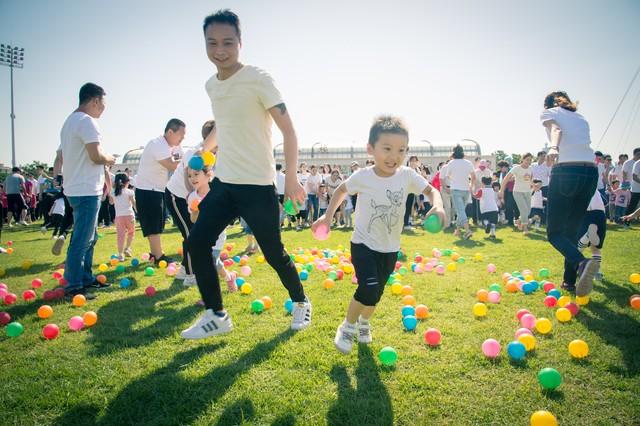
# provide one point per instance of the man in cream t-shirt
(83, 162)
(157, 160)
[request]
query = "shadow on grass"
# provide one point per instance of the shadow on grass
(35, 269)
(117, 330)
(468, 243)
(285, 420)
(165, 396)
(84, 415)
(369, 403)
(237, 413)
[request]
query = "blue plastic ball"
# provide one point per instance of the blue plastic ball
(410, 322)
(114, 256)
(516, 350)
(408, 310)
(288, 305)
(535, 285)
(125, 282)
(240, 281)
(555, 293)
(135, 262)
(304, 275)
(196, 163)
(236, 259)
(413, 267)
(527, 288)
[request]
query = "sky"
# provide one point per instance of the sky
(451, 69)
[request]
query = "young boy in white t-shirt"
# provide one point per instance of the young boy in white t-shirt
(382, 194)
(488, 202)
(537, 204)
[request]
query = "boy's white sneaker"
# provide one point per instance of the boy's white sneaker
(345, 336)
(181, 274)
(364, 331)
(190, 281)
(301, 315)
(592, 233)
(57, 246)
(208, 325)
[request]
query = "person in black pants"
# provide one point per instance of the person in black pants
(414, 164)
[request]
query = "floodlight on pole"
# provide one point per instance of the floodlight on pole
(12, 57)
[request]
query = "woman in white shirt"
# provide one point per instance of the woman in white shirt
(522, 174)
(461, 177)
(572, 183)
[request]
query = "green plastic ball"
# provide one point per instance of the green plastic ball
(543, 273)
(290, 209)
(549, 378)
(432, 224)
(14, 329)
(388, 356)
(257, 306)
(149, 271)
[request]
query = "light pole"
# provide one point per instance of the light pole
(476, 144)
(12, 57)
(313, 146)
(274, 149)
(430, 145)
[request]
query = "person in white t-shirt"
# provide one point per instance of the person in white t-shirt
(627, 167)
(81, 161)
(57, 215)
(572, 183)
(382, 193)
(313, 184)
(488, 206)
(245, 103)
(157, 160)
(522, 175)
(632, 175)
(594, 230)
(462, 179)
(124, 201)
(537, 204)
(616, 171)
(303, 213)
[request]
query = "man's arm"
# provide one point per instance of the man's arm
(292, 188)
(169, 163)
(554, 132)
(57, 164)
(97, 155)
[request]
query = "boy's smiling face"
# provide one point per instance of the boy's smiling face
(389, 153)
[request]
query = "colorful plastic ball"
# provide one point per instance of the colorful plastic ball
(62, 282)
(543, 418)
(101, 279)
(10, 299)
(549, 378)
(578, 348)
(145, 257)
(304, 275)
(45, 311)
(516, 350)
(196, 163)
(244, 260)
(321, 232)
(268, 303)
(410, 322)
(494, 297)
(563, 300)
(563, 315)
(257, 306)
(58, 293)
(150, 291)
(555, 293)
(103, 267)
(548, 286)
(403, 270)
(162, 264)
(543, 273)
(432, 224)
(28, 295)
(491, 348)
(260, 259)
(388, 356)
(5, 318)
(491, 268)
(79, 300)
(14, 329)
(114, 262)
(3, 293)
(573, 308)
(135, 262)
(634, 301)
(246, 288)
(409, 300)
(440, 270)
(452, 267)
(634, 278)
(290, 209)
(408, 310)
(422, 312)
(208, 158)
(50, 331)
(10, 250)
(125, 283)
(246, 271)
(528, 341)
(396, 289)
(512, 287)
(543, 326)
(4, 286)
(482, 295)
(495, 287)
(521, 331)
(432, 337)
(120, 268)
(582, 300)
(288, 305)
(550, 301)
(406, 289)
(149, 271)
(332, 275)
(90, 318)
(76, 323)
(36, 283)
(480, 310)
(528, 321)
(528, 288)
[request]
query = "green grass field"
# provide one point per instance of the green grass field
(132, 367)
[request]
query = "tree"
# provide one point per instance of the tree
(31, 168)
(500, 155)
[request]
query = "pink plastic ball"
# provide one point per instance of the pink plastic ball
(321, 232)
(491, 268)
(550, 301)
(144, 256)
(3, 293)
(245, 271)
(36, 283)
(75, 323)
(418, 269)
(150, 291)
(548, 286)
(522, 331)
(528, 321)
(494, 297)
(10, 299)
(428, 267)
(50, 331)
(573, 308)
(4, 286)
(440, 270)
(5, 318)
(28, 295)
(491, 348)
(521, 312)
(432, 337)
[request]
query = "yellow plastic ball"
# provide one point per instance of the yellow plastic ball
(260, 259)
(451, 267)
(480, 309)
(543, 326)
(582, 300)
(103, 267)
(162, 264)
(208, 158)
(246, 288)
(563, 300)
(543, 418)
(528, 277)
(478, 257)
(396, 289)
(328, 283)
(27, 264)
(578, 348)
(528, 341)
(634, 278)
(563, 315)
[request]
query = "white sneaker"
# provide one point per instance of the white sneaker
(592, 233)
(189, 281)
(345, 335)
(364, 331)
(208, 325)
(182, 273)
(121, 258)
(127, 252)
(301, 315)
(23, 223)
(408, 228)
(57, 246)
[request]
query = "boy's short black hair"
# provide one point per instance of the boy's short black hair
(486, 180)
(495, 184)
(15, 169)
(458, 152)
(636, 151)
(223, 16)
(174, 124)
(541, 153)
(387, 124)
(89, 91)
(537, 181)
(613, 182)
(278, 167)
(598, 153)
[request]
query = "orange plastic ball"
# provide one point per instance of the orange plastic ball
(409, 300)
(78, 300)
(101, 279)
(482, 295)
(268, 303)
(45, 311)
(422, 312)
(90, 318)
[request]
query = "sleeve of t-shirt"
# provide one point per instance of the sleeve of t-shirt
(636, 168)
(160, 151)
(354, 182)
(268, 93)
(547, 115)
(88, 131)
(416, 183)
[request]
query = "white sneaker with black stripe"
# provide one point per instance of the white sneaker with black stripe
(364, 331)
(208, 325)
(301, 315)
(181, 274)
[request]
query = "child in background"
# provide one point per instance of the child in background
(537, 204)
(495, 185)
(488, 203)
(124, 201)
(382, 193)
(56, 214)
(594, 230)
(199, 180)
(252, 246)
(623, 196)
(323, 199)
(611, 193)
(347, 208)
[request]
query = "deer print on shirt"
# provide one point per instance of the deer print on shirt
(388, 214)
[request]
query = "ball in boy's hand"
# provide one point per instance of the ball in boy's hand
(320, 231)
(196, 163)
(290, 209)
(432, 224)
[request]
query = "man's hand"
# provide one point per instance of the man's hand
(294, 191)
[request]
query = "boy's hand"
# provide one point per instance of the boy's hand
(438, 211)
(319, 222)
(294, 191)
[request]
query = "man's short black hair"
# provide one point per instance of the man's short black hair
(598, 153)
(636, 151)
(90, 91)
(223, 16)
(537, 181)
(174, 124)
(15, 169)
(541, 153)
